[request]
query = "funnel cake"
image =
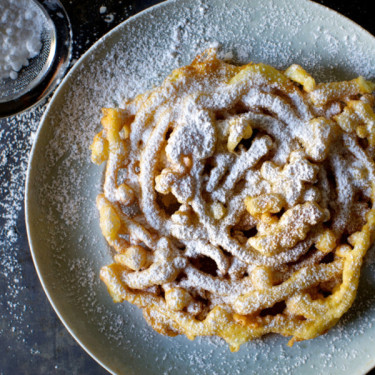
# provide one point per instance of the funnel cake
(239, 200)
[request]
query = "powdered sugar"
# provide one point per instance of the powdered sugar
(66, 191)
(16, 139)
(21, 24)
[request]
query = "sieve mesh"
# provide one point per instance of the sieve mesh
(44, 71)
(29, 76)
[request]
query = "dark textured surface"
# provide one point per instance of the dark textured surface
(32, 339)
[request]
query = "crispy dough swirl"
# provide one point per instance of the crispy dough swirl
(239, 200)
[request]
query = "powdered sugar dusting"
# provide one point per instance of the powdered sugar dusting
(68, 183)
(21, 24)
(16, 139)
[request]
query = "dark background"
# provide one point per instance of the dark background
(32, 339)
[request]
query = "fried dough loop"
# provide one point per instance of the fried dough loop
(239, 200)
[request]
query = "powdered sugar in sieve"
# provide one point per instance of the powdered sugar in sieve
(35, 48)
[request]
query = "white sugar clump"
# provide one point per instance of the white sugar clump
(20, 35)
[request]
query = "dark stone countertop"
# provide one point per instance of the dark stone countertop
(32, 339)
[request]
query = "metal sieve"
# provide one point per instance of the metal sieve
(44, 72)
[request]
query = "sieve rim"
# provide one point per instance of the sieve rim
(52, 74)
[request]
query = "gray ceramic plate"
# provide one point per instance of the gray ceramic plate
(62, 184)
